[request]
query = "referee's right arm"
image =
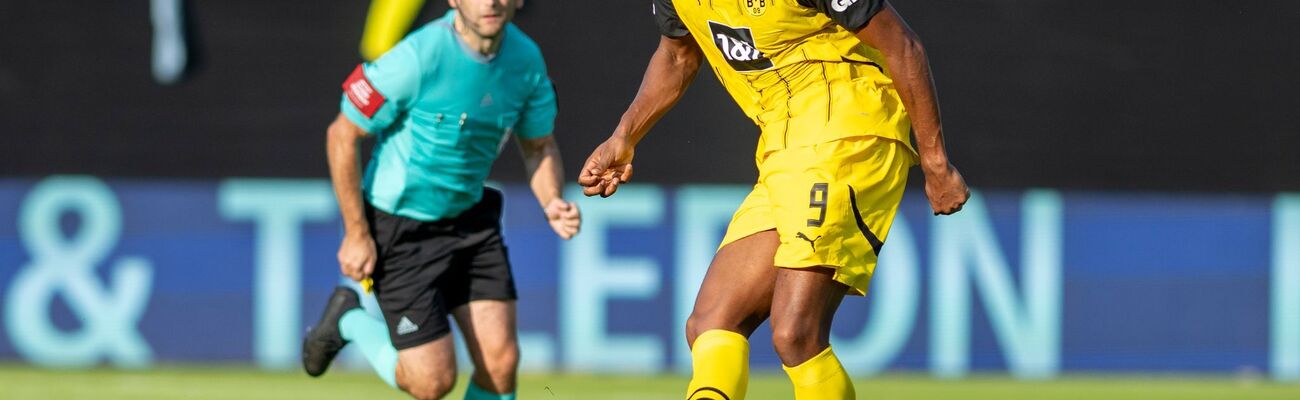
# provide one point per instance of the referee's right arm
(374, 98)
(357, 252)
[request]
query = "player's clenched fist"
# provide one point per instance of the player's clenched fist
(564, 217)
(946, 189)
(608, 166)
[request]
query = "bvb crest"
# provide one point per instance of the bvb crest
(756, 8)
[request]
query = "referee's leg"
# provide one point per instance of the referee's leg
(427, 371)
(490, 336)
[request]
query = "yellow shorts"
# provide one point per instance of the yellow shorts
(831, 203)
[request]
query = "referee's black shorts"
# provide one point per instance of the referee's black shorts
(425, 269)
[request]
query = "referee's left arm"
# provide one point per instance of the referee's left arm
(542, 156)
(542, 160)
(542, 163)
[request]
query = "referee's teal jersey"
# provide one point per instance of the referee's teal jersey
(441, 112)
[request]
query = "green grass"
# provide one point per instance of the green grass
(23, 382)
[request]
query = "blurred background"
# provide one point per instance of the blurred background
(167, 228)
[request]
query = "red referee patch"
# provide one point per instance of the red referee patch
(362, 94)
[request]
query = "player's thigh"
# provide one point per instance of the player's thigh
(737, 289)
(490, 334)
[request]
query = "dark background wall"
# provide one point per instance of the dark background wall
(1153, 95)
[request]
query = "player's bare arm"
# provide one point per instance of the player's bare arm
(357, 252)
(905, 57)
(546, 174)
(671, 70)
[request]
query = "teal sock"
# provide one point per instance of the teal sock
(477, 393)
(371, 336)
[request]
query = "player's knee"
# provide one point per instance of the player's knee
(428, 386)
(794, 345)
(692, 329)
(783, 339)
(702, 321)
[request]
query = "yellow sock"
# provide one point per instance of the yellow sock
(821, 378)
(387, 24)
(721, 362)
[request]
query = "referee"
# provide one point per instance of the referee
(420, 223)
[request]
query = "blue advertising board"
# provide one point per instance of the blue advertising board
(1034, 283)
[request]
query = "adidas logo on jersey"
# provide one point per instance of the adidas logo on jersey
(405, 326)
(737, 46)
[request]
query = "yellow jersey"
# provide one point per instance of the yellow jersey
(795, 67)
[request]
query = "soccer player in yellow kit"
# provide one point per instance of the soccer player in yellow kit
(835, 87)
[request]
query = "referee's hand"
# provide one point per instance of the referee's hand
(564, 218)
(357, 256)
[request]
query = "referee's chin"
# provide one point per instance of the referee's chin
(491, 27)
(488, 29)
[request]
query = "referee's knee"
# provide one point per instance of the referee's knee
(433, 385)
(501, 367)
(428, 390)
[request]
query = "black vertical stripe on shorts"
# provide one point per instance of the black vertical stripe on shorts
(876, 244)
